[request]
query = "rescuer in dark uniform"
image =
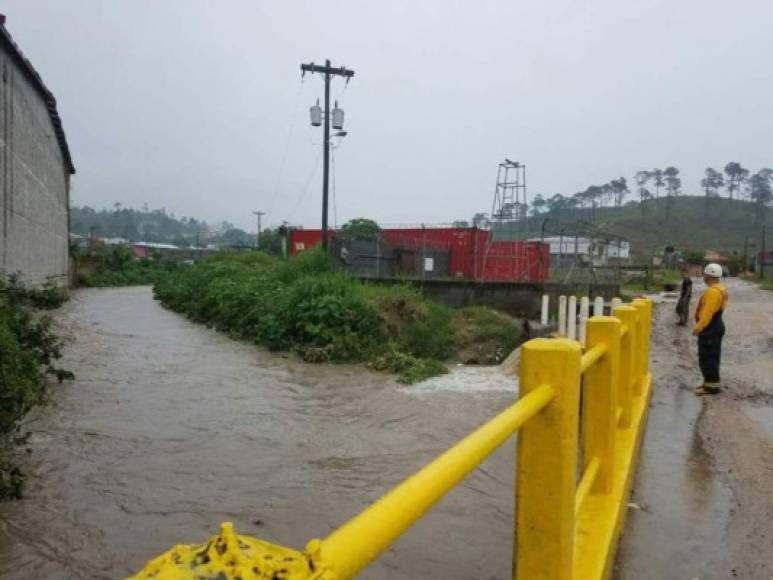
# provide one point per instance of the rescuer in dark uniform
(683, 305)
(709, 328)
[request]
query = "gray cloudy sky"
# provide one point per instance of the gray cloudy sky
(198, 107)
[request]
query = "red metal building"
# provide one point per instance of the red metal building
(471, 256)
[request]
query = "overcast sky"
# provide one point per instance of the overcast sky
(198, 106)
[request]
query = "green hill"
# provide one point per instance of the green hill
(723, 226)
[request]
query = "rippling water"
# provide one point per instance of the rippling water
(172, 428)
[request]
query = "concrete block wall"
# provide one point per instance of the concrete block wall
(34, 183)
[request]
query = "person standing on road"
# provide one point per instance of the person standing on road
(709, 328)
(683, 304)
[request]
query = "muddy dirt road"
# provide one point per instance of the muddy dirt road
(703, 498)
(172, 428)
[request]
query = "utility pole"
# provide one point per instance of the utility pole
(762, 254)
(329, 72)
(257, 239)
(745, 265)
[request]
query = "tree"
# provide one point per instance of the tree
(480, 220)
(736, 175)
(760, 191)
(236, 237)
(657, 179)
(673, 187)
(271, 241)
(538, 204)
(712, 181)
(461, 224)
(361, 229)
(641, 178)
(619, 189)
(556, 203)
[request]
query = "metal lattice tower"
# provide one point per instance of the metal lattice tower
(509, 212)
(510, 203)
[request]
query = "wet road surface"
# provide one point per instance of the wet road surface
(703, 495)
(171, 428)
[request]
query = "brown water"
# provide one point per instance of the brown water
(172, 428)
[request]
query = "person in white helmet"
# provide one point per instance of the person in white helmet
(709, 328)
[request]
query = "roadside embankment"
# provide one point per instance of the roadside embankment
(303, 305)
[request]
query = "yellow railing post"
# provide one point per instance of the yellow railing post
(599, 408)
(645, 315)
(629, 316)
(546, 468)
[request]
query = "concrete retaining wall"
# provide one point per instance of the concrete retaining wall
(34, 183)
(517, 299)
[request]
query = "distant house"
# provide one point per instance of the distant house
(169, 251)
(763, 262)
(568, 251)
(35, 170)
(712, 256)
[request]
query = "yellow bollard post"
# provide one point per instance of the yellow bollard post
(599, 409)
(629, 316)
(546, 467)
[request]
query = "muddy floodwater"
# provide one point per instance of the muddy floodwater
(172, 428)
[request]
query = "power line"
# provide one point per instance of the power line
(280, 172)
(305, 189)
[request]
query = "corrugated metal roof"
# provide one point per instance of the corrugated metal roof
(48, 98)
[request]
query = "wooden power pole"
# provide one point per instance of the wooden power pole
(329, 72)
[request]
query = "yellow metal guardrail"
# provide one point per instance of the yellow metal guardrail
(564, 529)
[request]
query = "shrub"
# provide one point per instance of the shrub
(409, 368)
(28, 349)
(303, 305)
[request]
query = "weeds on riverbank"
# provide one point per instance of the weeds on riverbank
(116, 265)
(303, 305)
(28, 351)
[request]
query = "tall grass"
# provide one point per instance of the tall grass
(303, 305)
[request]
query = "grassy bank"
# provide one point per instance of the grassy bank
(658, 281)
(28, 351)
(116, 266)
(303, 306)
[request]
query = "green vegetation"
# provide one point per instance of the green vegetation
(658, 280)
(484, 336)
(146, 225)
(724, 225)
(304, 306)
(361, 229)
(767, 285)
(28, 349)
(117, 266)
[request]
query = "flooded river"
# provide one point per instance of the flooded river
(171, 428)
